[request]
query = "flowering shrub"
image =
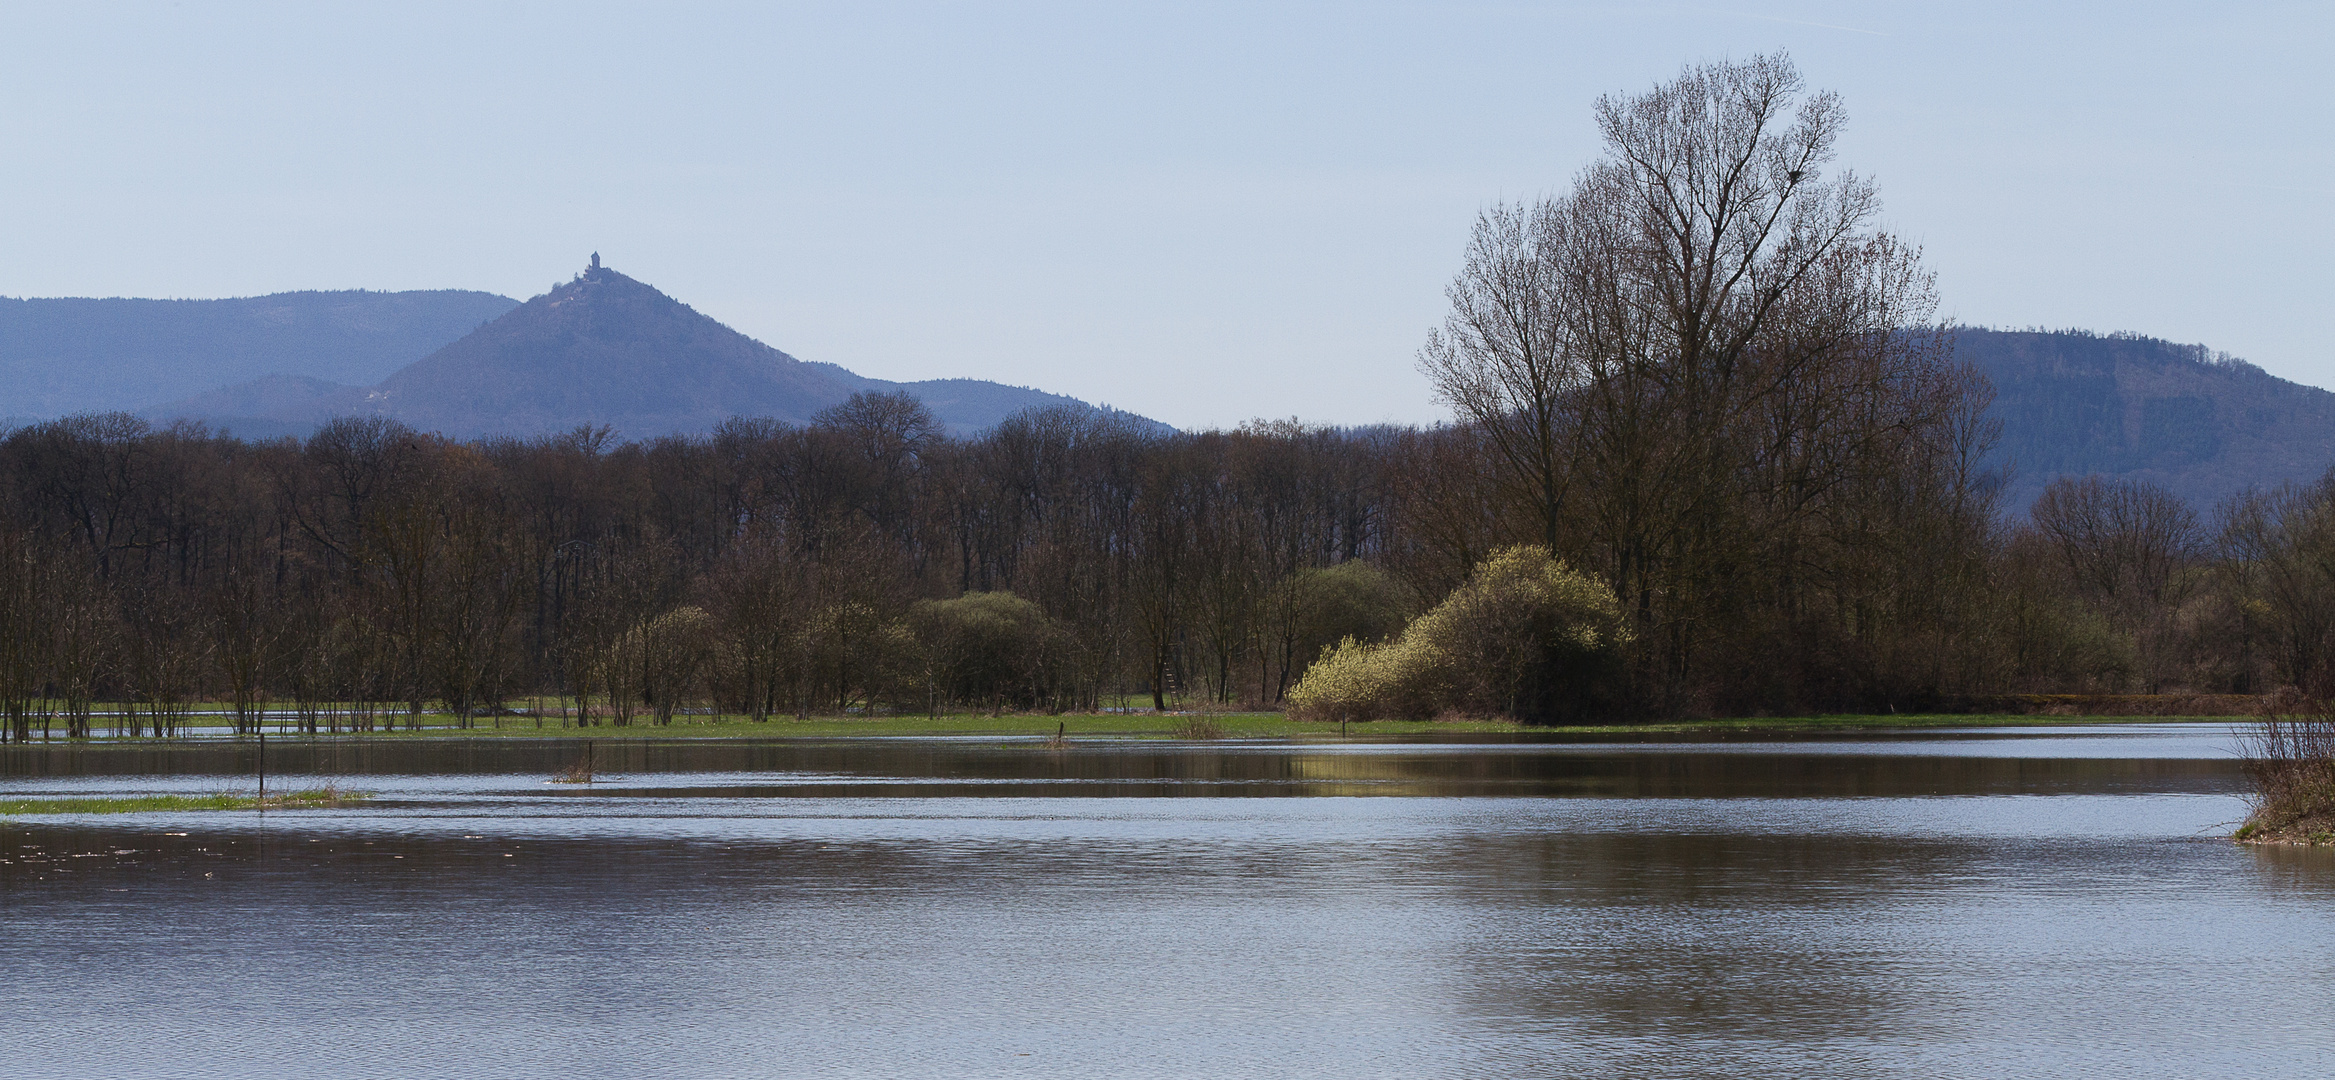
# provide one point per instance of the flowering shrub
(1525, 636)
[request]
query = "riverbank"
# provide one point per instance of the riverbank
(2316, 831)
(1142, 725)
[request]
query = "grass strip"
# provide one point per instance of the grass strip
(1189, 726)
(1238, 726)
(136, 804)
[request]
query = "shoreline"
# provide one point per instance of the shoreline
(2288, 837)
(325, 798)
(1145, 726)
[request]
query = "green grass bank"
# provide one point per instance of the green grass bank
(1143, 725)
(132, 804)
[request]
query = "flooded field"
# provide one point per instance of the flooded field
(2034, 902)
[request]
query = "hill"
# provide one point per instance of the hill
(603, 349)
(2203, 424)
(600, 349)
(71, 355)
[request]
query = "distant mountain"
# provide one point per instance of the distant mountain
(601, 349)
(972, 405)
(2203, 424)
(267, 407)
(61, 356)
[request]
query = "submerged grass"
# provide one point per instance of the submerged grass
(579, 772)
(134, 804)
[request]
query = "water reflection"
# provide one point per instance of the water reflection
(2193, 758)
(954, 910)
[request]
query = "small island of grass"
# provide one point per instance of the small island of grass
(315, 798)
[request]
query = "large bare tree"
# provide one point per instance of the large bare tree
(1705, 365)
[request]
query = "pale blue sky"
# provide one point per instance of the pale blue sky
(1199, 212)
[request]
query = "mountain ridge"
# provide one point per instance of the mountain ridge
(85, 354)
(602, 348)
(2202, 424)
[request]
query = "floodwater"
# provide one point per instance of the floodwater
(1974, 903)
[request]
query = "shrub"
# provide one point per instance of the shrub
(1351, 599)
(1358, 681)
(1525, 636)
(988, 648)
(1199, 727)
(2290, 757)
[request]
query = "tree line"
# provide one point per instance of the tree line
(1061, 561)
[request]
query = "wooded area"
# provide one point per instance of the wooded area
(1057, 562)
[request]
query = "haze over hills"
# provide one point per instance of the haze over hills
(606, 349)
(601, 349)
(2205, 425)
(70, 355)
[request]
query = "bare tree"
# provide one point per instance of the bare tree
(1508, 358)
(24, 640)
(2278, 556)
(674, 647)
(1701, 354)
(2132, 550)
(2125, 543)
(244, 635)
(755, 595)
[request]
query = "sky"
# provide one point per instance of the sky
(1203, 213)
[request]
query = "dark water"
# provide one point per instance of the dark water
(2006, 903)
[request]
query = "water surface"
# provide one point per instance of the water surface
(1967, 903)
